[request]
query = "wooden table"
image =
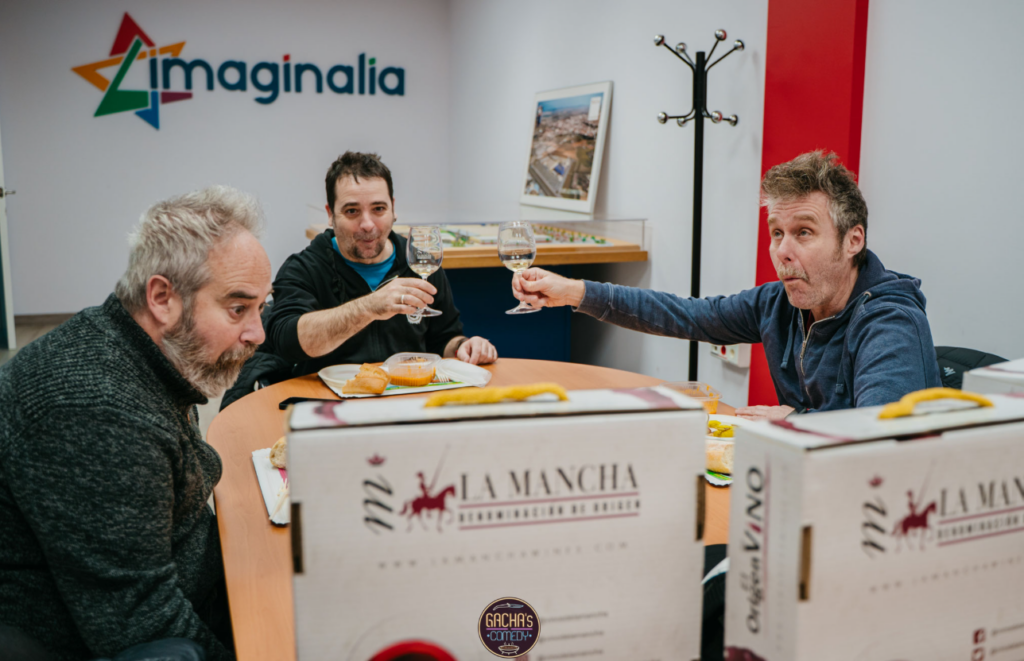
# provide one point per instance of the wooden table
(559, 254)
(257, 555)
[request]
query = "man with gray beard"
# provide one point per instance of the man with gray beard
(839, 329)
(108, 546)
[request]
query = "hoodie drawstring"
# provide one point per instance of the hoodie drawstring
(840, 386)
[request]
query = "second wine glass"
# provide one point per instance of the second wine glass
(517, 248)
(424, 252)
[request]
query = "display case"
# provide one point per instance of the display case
(563, 238)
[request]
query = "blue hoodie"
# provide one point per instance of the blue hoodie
(876, 350)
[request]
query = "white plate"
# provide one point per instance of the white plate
(462, 375)
(273, 486)
(457, 370)
(337, 375)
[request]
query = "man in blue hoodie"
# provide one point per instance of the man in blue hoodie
(838, 329)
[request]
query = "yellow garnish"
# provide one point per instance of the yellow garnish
(720, 429)
(494, 395)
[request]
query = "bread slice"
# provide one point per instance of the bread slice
(279, 453)
(371, 380)
(720, 453)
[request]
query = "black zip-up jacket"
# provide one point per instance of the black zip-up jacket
(319, 279)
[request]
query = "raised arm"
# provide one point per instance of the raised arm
(299, 329)
(322, 331)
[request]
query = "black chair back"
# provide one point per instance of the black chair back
(954, 361)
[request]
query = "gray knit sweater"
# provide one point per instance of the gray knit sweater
(106, 538)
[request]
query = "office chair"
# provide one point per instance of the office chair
(954, 361)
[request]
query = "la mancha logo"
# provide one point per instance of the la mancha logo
(132, 45)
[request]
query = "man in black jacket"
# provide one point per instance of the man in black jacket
(344, 298)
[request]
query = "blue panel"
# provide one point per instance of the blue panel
(483, 295)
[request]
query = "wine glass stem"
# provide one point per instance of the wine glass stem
(523, 305)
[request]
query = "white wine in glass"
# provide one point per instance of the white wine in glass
(424, 252)
(517, 249)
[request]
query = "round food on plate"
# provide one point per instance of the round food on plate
(371, 380)
(411, 369)
(279, 453)
(414, 380)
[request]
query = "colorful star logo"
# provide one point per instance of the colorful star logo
(128, 49)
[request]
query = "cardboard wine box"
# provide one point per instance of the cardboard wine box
(1003, 378)
(856, 538)
(408, 522)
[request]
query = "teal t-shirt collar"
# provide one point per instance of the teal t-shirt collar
(373, 274)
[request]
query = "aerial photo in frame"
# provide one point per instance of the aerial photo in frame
(566, 148)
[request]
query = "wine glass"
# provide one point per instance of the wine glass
(517, 249)
(423, 252)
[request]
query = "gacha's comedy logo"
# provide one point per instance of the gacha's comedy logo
(165, 65)
(509, 627)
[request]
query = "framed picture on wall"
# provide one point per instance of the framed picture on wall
(566, 147)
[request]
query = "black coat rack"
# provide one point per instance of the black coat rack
(698, 113)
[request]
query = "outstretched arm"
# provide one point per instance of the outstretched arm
(541, 288)
(719, 319)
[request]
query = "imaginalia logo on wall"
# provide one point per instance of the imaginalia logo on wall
(133, 45)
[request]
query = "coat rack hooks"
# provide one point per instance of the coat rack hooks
(697, 114)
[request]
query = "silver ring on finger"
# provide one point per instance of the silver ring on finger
(403, 299)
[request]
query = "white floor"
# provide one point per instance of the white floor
(24, 334)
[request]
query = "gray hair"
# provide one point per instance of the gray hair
(174, 238)
(818, 171)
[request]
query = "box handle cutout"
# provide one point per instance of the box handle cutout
(700, 507)
(805, 563)
(296, 528)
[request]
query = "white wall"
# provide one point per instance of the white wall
(504, 51)
(941, 161)
(83, 181)
(472, 69)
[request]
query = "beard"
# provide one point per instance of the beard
(367, 253)
(184, 347)
(350, 247)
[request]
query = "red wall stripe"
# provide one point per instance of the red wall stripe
(813, 99)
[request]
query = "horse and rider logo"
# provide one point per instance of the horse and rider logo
(915, 525)
(913, 530)
(429, 501)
